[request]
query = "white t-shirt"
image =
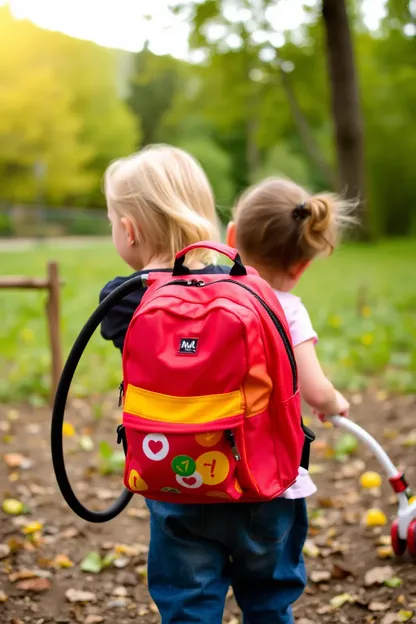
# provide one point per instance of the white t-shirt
(301, 329)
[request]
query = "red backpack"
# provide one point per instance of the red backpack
(211, 406)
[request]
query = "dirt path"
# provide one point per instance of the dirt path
(340, 548)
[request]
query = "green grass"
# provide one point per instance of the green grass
(362, 302)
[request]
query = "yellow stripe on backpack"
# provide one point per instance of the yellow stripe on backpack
(186, 410)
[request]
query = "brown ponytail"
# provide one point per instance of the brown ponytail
(318, 231)
(279, 224)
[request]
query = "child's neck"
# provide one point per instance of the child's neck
(278, 280)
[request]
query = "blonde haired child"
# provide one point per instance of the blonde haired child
(159, 200)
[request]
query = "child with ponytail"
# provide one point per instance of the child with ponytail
(279, 228)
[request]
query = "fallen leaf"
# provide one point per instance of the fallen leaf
(32, 527)
(14, 460)
(86, 443)
(141, 571)
(93, 619)
(393, 582)
(409, 442)
(34, 584)
(378, 606)
(390, 618)
(340, 572)
(339, 601)
(385, 552)
(390, 434)
(346, 445)
(75, 595)
(324, 609)
(3, 596)
(401, 600)
(22, 574)
(63, 561)
(378, 575)
(92, 563)
(310, 549)
(383, 540)
(68, 430)
(327, 502)
(4, 551)
(319, 576)
(404, 616)
(70, 532)
(13, 507)
(117, 604)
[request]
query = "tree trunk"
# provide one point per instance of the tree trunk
(346, 108)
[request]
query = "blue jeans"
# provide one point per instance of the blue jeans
(198, 551)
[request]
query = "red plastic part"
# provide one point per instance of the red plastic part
(398, 544)
(411, 538)
(399, 483)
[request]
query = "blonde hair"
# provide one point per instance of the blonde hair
(168, 198)
(278, 223)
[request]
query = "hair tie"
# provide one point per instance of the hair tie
(300, 212)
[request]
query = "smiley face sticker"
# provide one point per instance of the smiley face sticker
(213, 466)
(155, 446)
(192, 482)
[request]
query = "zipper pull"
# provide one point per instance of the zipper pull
(120, 394)
(234, 449)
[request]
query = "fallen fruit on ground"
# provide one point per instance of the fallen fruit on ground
(375, 517)
(370, 480)
(12, 506)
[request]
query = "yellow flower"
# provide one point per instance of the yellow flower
(366, 311)
(367, 339)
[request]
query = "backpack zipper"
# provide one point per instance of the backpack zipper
(272, 315)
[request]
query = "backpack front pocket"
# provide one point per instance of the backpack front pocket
(188, 456)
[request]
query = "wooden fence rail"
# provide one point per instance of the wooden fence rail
(52, 284)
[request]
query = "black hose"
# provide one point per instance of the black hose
(60, 404)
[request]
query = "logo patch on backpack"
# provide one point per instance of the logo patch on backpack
(188, 346)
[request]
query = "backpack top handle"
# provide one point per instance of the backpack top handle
(237, 270)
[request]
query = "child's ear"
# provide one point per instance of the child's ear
(129, 229)
(231, 234)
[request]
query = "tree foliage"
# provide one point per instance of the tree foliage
(256, 103)
(61, 117)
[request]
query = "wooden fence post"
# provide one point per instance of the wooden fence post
(53, 315)
(52, 284)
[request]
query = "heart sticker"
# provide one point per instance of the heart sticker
(155, 446)
(192, 482)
